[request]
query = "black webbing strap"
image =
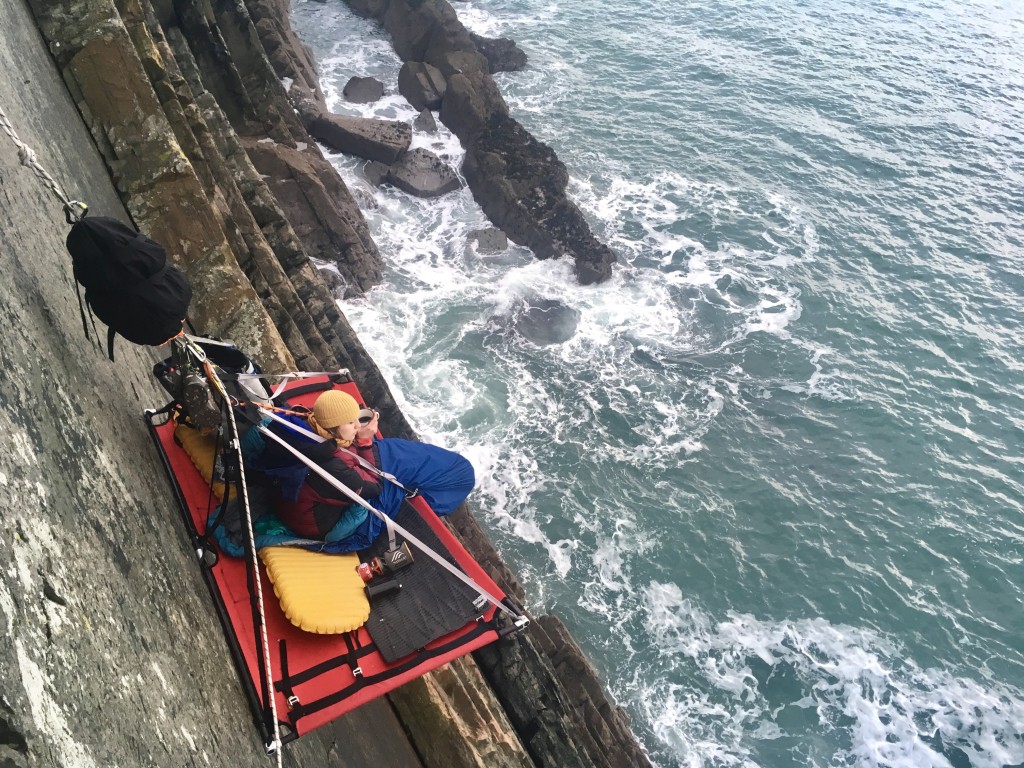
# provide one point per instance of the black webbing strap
(360, 682)
(351, 659)
(316, 386)
(284, 685)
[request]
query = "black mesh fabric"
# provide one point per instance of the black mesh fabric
(431, 602)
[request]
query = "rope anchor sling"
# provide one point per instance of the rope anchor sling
(74, 210)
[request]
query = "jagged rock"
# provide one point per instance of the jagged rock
(520, 184)
(539, 216)
(423, 174)
(453, 719)
(310, 198)
(546, 321)
(421, 84)
(502, 54)
(489, 240)
(424, 122)
(376, 172)
(383, 140)
(332, 279)
(291, 59)
(363, 90)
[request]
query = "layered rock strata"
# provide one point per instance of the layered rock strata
(209, 157)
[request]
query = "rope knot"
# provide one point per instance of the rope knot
(26, 155)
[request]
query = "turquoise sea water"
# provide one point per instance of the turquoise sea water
(774, 481)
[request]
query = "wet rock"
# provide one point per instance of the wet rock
(546, 321)
(424, 122)
(332, 279)
(423, 174)
(502, 54)
(376, 172)
(488, 240)
(369, 138)
(363, 90)
(520, 184)
(421, 84)
(505, 166)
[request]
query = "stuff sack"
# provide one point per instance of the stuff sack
(129, 283)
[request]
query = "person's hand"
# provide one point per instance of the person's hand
(369, 430)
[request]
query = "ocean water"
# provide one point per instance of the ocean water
(772, 473)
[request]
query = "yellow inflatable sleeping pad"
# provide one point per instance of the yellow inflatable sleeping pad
(319, 592)
(201, 449)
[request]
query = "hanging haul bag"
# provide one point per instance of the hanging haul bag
(130, 285)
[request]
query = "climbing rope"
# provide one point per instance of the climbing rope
(74, 210)
(212, 377)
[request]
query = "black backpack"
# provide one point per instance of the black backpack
(129, 283)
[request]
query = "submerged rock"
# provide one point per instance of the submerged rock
(376, 172)
(546, 321)
(490, 240)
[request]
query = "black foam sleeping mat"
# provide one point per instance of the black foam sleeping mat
(431, 602)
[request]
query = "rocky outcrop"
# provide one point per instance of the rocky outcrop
(502, 54)
(209, 156)
(518, 180)
(489, 240)
(422, 174)
(382, 140)
(422, 85)
(363, 90)
(546, 685)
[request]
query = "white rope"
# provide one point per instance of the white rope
(335, 483)
(276, 746)
(27, 156)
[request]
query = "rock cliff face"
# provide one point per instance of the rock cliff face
(117, 653)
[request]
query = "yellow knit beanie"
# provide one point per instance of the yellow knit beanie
(335, 407)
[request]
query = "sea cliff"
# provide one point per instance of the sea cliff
(176, 115)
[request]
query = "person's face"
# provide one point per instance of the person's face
(346, 431)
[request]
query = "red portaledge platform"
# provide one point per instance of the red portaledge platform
(228, 582)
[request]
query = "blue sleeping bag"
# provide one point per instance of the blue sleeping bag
(444, 479)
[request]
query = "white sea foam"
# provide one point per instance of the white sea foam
(802, 677)
(572, 442)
